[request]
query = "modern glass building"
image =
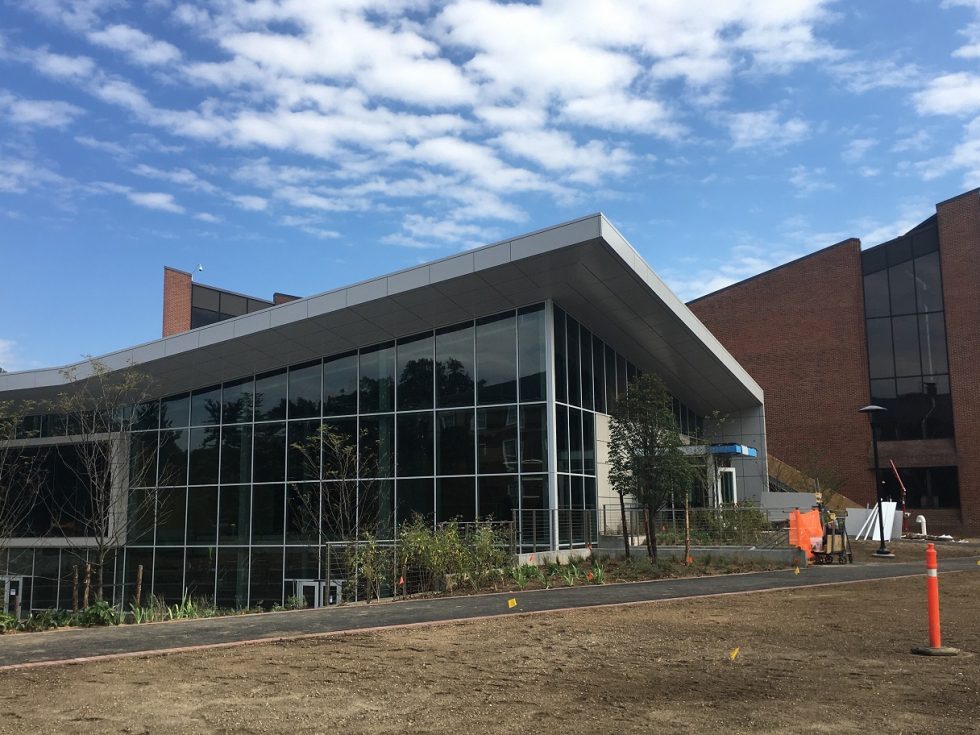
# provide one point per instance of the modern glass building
(476, 387)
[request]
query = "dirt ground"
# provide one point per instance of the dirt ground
(826, 660)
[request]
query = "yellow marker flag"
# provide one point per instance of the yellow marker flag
(512, 602)
(796, 570)
(733, 654)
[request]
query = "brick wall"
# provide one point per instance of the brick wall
(799, 331)
(959, 249)
(176, 301)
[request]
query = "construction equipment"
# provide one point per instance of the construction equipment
(835, 546)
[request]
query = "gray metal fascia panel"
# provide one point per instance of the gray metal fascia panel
(454, 267)
(182, 343)
(327, 302)
(489, 257)
(252, 323)
(369, 291)
(553, 238)
(292, 312)
(149, 352)
(408, 280)
(216, 333)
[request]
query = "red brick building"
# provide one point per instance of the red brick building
(897, 325)
(188, 305)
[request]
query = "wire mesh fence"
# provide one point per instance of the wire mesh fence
(720, 526)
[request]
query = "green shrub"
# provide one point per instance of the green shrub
(8, 623)
(98, 613)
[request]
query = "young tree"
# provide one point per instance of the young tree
(21, 472)
(115, 472)
(645, 457)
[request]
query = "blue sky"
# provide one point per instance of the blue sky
(298, 146)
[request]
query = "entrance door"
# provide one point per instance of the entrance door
(309, 590)
(13, 593)
(727, 493)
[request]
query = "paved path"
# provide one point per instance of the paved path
(128, 640)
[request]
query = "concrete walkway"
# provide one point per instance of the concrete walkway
(33, 649)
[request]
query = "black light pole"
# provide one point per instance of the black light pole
(871, 411)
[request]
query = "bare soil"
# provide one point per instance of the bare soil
(821, 660)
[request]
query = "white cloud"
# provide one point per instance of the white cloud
(106, 146)
(855, 150)
(38, 113)
(181, 177)
(137, 45)
(155, 200)
(806, 180)
(208, 217)
(764, 128)
(60, 66)
(964, 157)
(950, 94)
(863, 75)
(18, 175)
(429, 232)
(250, 202)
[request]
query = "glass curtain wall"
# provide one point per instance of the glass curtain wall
(256, 475)
(907, 359)
(589, 377)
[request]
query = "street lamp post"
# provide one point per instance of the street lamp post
(871, 411)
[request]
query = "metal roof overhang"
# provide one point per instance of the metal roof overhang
(585, 265)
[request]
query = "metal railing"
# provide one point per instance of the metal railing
(573, 528)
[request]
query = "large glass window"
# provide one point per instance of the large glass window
(203, 449)
(206, 406)
(497, 439)
(415, 445)
(236, 453)
(174, 411)
(232, 577)
(907, 336)
(532, 361)
(202, 515)
(454, 366)
(415, 498)
(455, 442)
(173, 457)
(496, 359)
(534, 439)
(304, 390)
(377, 366)
(340, 385)
(497, 498)
(237, 400)
(377, 446)
(171, 509)
(303, 450)
(234, 514)
(270, 396)
(270, 452)
(415, 372)
(268, 508)
(456, 499)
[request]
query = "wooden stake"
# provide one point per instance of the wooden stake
(88, 585)
(139, 584)
(74, 588)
